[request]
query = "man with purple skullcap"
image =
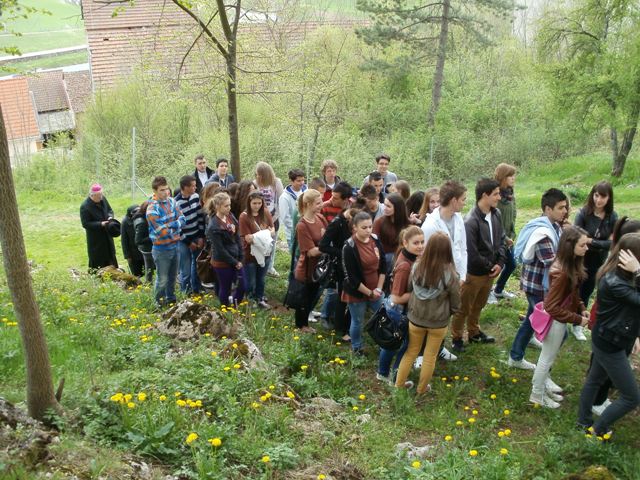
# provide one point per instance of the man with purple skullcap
(95, 214)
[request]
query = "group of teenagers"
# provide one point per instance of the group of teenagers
(414, 255)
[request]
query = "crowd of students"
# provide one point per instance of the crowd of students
(412, 253)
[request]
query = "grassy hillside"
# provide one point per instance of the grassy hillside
(476, 423)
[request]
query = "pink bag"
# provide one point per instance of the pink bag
(540, 321)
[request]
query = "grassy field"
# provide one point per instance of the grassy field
(61, 27)
(99, 341)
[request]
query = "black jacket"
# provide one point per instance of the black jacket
(100, 246)
(225, 246)
(143, 242)
(128, 235)
(334, 238)
(199, 184)
(599, 230)
(482, 253)
(617, 321)
(352, 266)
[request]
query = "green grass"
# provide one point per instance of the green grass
(63, 27)
(99, 359)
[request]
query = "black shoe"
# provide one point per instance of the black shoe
(457, 345)
(482, 338)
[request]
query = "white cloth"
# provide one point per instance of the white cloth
(434, 223)
(287, 206)
(487, 218)
(261, 246)
(538, 234)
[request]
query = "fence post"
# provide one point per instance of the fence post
(133, 163)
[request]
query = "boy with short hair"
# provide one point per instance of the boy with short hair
(288, 203)
(372, 204)
(221, 176)
(192, 235)
(202, 173)
(382, 166)
(165, 223)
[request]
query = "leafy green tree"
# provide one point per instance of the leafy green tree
(592, 51)
(425, 26)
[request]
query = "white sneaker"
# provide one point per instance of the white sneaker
(418, 363)
(554, 396)
(534, 342)
(522, 364)
(504, 294)
(543, 401)
(382, 378)
(273, 273)
(578, 332)
(312, 318)
(492, 300)
(598, 409)
(551, 386)
(445, 355)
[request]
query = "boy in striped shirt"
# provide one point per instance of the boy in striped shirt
(192, 235)
(165, 223)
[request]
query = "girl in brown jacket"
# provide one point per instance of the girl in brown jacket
(564, 306)
(434, 298)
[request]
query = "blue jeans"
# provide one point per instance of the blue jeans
(525, 332)
(166, 261)
(357, 311)
(386, 356)
(509, 267)
(329, 304)
(189, 280)
(254, 278)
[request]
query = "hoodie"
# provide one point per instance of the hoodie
(432, 307)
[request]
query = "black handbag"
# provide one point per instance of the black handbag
(387, 333)
(325, 271)
(205, 271)
(296, 296)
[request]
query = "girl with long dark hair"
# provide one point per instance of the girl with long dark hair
(615, 337)
(564, 306)
(598, 218)
(254, 219)
(435, 296)
(390, 224)
(505, 175)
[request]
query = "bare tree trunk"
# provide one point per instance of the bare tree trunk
(438, 76)
(620, 155)
(40, 393)
(613, 143)
(232, 106)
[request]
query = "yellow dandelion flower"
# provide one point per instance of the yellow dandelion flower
(177, 394)
(226, 369)
(457, 377)
(263, 398)
(514, 380)
(503, 451)
(127, 397)
(321, 476)
(474, 412)
(131, 405)
(272, 387)
(355, 408)
(296, 338)
(500, 434)
(448, 438)
(208, 414)
(507, 432)
(473, 453)
(362, 396)
(606, 436)
(459, 423)
(493, 396)
(116, 397)
(338, 343)
(181, 403)
(235, 345)
(472, 420)
(215, 442)
(466, 379)
(192, 437)
(214, 354)
(290, 394)
(237, 366)
(467, 408)
(255, 405)
(506, 412)
(304, 367)
(265, 459)
(416, 464)
(198, 403)
(142, 397)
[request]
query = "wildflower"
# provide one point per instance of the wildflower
(198, 403)
(473, 453)
(507, 432)
(208, 414)
(503, 451)
(215, 442)
(263, 398)
(304, 367)
(117, 397)
(265, 459)
(416, 464)
(444, 379)
(449, 385)
(459, 423)
(466, 379)
(192, 437)
(255, 405)
(355, 408)
(127, 397)
(226, 369)
(131, 405)
(142, 397)
(472, 420)
(296, 338)
(474, 412)
(286, 327)
(506, 412)
(606, 436)
(362, 396)
(224, 337)
(214, 354)
(448, 438)
(272, 387)
(500, 434)
(237, 366)
(493, 396)
(235, 345)
(290, 394)
(467, 408)
(177, 394)
(181, 403)
(338, 343)
(320, 337)
(514, 380)
(457, 377)
(321, 476)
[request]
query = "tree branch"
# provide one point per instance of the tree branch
(204, 27)
(193, 45)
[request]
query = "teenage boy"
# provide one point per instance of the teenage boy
(192, 235)
(165, 222)
(447, 219)
(382, 166)
(202, 173)
(338, 201)
(536, 248)
(372, 204)
(221, 176)
(486, 254)
(329, 170)
(288, 203)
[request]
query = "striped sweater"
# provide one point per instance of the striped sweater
(194, 226)
(165, 222)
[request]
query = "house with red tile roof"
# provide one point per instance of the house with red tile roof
(20, 121)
